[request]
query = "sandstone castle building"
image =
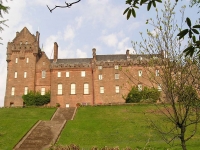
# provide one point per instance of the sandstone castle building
(101, 79)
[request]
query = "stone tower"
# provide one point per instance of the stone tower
(22, 54)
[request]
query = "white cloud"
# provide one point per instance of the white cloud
(122, 46)
(79, 21)
(69, 33)
(110, 40)
(81, 54)
(49, 45)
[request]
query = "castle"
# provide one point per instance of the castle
(102, 79)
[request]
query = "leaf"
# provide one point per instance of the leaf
(190, 34)
(195, 31)
(154, 3)
(133, 13)
(182, 33)
(188, 22)
(194, 39)
(160, 1)
(149, 6)
(126, 10)
(197, 43)
(129, 14)
(196, 26)
(143, 1)
(189, 51)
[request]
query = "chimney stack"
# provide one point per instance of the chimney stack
(94, 54)
(55, 52)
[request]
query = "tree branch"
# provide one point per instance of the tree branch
(68, 5)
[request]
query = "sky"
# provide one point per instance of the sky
(89, 24)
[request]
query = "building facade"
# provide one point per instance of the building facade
(102, 79)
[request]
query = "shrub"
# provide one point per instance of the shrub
(147, 95)
(36, 99)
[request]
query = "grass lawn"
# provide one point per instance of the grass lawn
(15, 122)
(123, 126)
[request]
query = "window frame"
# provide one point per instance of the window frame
(16, 60)
(117, 89)
(59, 74)
(25, 90)
(139, 87)
(59, 90)
(100, 77)
(117, 76)
(27, 60)
(15, 75)
(139, 73)
(43, 73)
(25, 74)
(67, 74)
(86, 88)
(157, 73)
(73, 89)
(101, 90)
(13, 91)
(116, 67)
(43, 91)
(100, 67)
(83, 73)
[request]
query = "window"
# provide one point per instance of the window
(27, 60)
(157, 73)
(25, 74)
(117, 89)
(26, 43)
(59, 89)
(25, 90)
(15, 74)
(42, 91)
(59, 74)
(100, 67)
(82, 73)
(67, 74)
(139, 87)
(13, 91)
(116, 67)
(101, 89)
(20, 43)
(16, 60)
(116, 76)
(43, 73)
(43, 63)
(159, 87)
(140, 73)
(100, 77)
(73, 88)
(141, 58)
(86, 88)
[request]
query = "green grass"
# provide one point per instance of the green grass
(16, 122)
(123, 126)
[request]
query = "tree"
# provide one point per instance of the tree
(3, 9)
(178, 77)
(192, 31)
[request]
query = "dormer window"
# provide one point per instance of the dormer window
(116, 67)
(141, 58)
(26, 43)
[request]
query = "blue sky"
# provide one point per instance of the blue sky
(89, 24)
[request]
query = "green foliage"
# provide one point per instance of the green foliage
(36, 99)
(146, 95)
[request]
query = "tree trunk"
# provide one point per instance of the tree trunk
(182, 138)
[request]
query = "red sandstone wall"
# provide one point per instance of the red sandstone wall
(74, 77)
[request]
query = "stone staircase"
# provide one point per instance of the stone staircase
(45, 133)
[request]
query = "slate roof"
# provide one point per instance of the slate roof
(110, 57)
(73, 61)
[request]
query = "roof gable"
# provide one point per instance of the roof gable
(24, 36)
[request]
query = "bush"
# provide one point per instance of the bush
(36, 99)
(147, 95)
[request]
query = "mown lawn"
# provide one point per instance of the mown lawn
(123, 126)
(16, 122)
